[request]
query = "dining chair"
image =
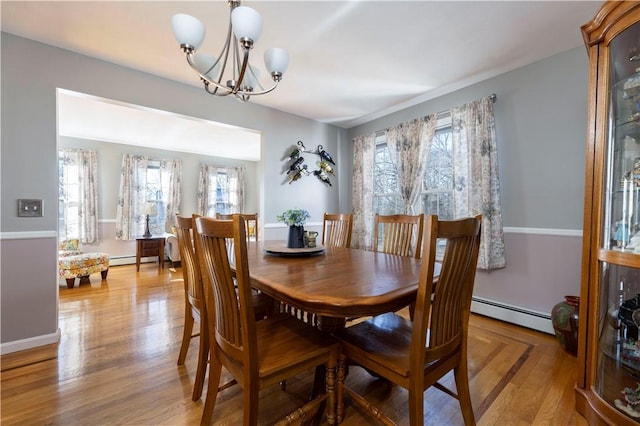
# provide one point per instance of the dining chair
(195, 309)
(401, 234)
(251, 220)
(417, 354)
(256, 353)
(194, 303)
(336, 230)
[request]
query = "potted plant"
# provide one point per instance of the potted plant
(295, 219)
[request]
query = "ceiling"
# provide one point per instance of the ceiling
(350, 61)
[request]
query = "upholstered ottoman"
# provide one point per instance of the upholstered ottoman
(81, 266)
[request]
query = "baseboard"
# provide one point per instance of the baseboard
(512, 314)
(31, 342)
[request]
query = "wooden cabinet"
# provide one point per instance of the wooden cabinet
(609, 347)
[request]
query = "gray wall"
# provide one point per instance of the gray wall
(30, 74)
(540, 116)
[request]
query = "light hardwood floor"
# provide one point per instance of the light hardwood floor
(120, 338)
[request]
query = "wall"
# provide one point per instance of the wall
(31, 72)
(540, 116)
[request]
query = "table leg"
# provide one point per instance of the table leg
(138, 254)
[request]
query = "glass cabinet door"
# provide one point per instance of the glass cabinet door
(617, 378)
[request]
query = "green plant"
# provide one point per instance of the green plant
(294, 217)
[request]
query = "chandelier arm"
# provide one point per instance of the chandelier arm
(243, 70)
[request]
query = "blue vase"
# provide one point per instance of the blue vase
(296, 237)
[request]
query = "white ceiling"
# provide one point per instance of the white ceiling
(351, 61)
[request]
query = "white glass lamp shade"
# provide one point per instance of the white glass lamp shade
(251, 77)
(276, 60)
(204, 64)
(188, 30)
(246, 23)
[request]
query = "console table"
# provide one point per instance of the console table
(149, 247)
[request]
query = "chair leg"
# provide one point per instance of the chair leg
(203, 360)
(251, 400)
(331, 388)
(186, 335)
(464, 397)
(416, 406)
(215, 371)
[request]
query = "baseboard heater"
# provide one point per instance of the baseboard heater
(131, 260)
(512, 314)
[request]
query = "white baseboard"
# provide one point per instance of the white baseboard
(512, 314)
(31, 342)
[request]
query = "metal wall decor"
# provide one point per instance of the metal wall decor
(297, 168)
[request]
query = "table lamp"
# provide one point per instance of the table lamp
(150, 210)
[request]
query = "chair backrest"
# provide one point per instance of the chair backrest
(442, 308)
(401, 234)
(336, 230)
(251, 222)
(191, 271)
(234, 322)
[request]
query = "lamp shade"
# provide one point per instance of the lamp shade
(151, 208)
(188, 30)
(251, 77)
(246, 23)
(276, 60)
(204, 64)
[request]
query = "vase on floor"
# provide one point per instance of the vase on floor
(564, 317)
(296, 237)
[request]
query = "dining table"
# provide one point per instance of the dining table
(334, 283)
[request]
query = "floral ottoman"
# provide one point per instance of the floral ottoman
(81, 266)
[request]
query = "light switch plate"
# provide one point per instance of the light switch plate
(30, 208)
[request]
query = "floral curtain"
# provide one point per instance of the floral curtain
(228, 180)
(363, 160)
(409, 144)
(475, 170)
(171, 175)
(87, 179)
(132, 200)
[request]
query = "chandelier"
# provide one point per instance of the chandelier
(242, 80)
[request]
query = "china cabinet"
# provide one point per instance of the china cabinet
(608, 386)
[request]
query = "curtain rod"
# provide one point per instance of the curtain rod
(441, 114)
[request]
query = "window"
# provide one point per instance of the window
(155, 205)
(68, 199)
(77, 195)
(437, 183)
(221, 190)
(147, 187)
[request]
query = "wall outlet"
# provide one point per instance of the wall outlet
(30, 208)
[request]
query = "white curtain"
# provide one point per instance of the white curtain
(87, 196)
(364, 148)
(171, 175)
(475, 170)
(132, 200)
(230, 181)
(409, 145)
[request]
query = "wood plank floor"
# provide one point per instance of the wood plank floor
(116, 364)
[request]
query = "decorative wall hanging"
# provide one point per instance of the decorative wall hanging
(297, 167)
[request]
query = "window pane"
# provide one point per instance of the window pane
(437, 182)
(154, 197)
(439, 172)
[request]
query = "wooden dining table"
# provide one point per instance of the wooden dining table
(335, 283)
